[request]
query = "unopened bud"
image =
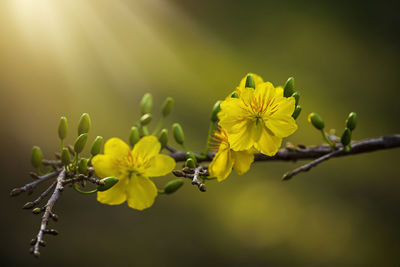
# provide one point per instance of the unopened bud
(190, 163)
(65, 156)
(146, 119)
(28, 205)
(36, 157)
(63, 128)
(173, 186)
(296, 112)
(84, 124)
(178, 133)
(163, 139)
(191, 155)
(42, 243)
(54, 217)
(351, 121)
(108, 183)
(316, 120)
(80, 143)
(346, 137)
(215, 110)
(234, 95)
(96, 146)
(146, 103)
(296, 96)
(37, 210)
(288, 90)
(82, 168)
(250, 81)
(15, 192)
(167, 106)
(134, 136)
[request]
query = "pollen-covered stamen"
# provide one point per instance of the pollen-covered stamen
(219, 137)
(132, 164)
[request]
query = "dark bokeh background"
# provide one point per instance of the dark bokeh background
(69, 57)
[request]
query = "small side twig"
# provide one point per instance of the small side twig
(311, 164)
(32, 185)
(30, 205)
(48, 213)
(193, 174)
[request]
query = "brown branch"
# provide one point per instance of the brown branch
(48, 213)
(30, 186)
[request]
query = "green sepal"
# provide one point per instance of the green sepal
(346, 137)
(146, 103)
(163, 138)
(234, 95)
(80, 143)
(65, 156)
(288, 89)
(190, 163)
(178, 133)
(296, 96)
(96, 146)
(250, 83)
(36, 157)
(84, 124)
(63, 128)
(108, 183)
(173, 186)
(146, 119)
(296, 112)
(134, 136)
(82, 168)
(316, 120)
(216, 109)
(167, 106)
(351, 121)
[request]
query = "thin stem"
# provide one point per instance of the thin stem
(330, 143)
(210, 133)
(77, 189)
(158, 127)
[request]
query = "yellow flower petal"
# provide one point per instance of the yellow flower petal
(282, 126)
(245, 138)
(116, 147)
(285, 106)
(268, 143)
(147, 147)
(104, 165)
(141, 192)
(221, 165)
(160, 165)
(115, 195)
(243, 160)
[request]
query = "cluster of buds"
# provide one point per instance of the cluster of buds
(288, 91)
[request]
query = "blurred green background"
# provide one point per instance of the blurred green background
(67, 57)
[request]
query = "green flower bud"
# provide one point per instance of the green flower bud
(173, 186)
(351, 121)
(36, 157)
(346, 137)
(296, 112)
(146, 103)
(163, 138)
(234, 95)
(190, 163)
(215, 110)
(65, 156)
(316, 120)
(134, 136)
(250, 81)
(146, 119)
(178, 133)
(37, 210)
(296, 96)
(96, 146)
(191, 155)
(80, 143)
(288, 90)
(108, 183)
(63, 128)
(167, 106)
(84, 124)
(28, 205)
(82, 168)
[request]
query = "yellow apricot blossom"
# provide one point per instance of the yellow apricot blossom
(225, 159)
(258, 119)
(133, 169)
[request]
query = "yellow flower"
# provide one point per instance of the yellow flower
(132, 168)
(226, 159)
(258, 119)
